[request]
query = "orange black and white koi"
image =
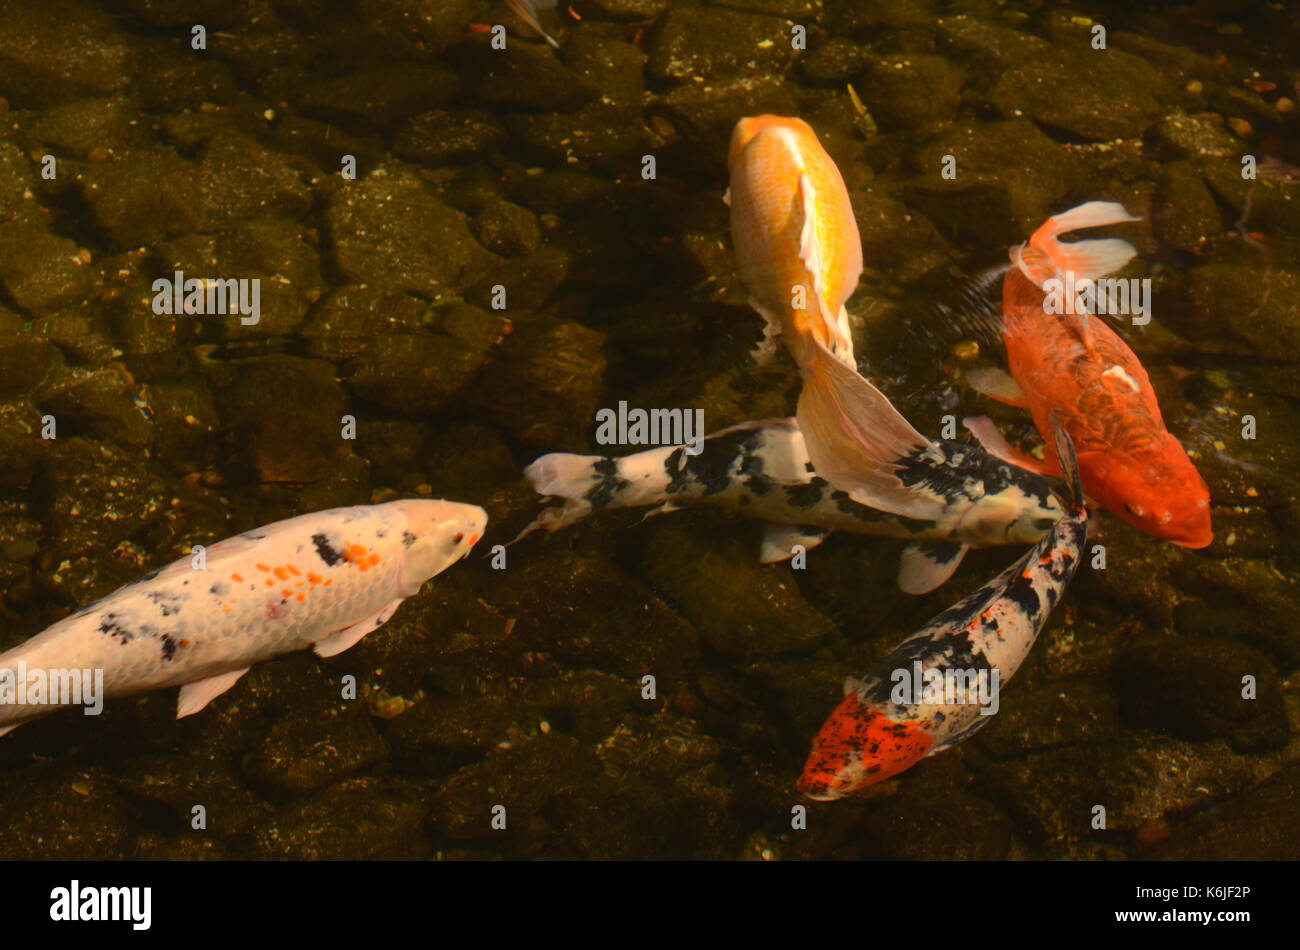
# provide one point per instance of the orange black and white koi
(324, 579)
(761, 469)
(1075, 365)
(871, 737)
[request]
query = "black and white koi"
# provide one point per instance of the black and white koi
(762, 470)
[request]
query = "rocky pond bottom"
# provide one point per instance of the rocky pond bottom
(499, 269)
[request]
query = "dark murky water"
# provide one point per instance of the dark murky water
(523, 169)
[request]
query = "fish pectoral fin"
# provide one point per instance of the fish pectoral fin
(779, 541)
(994, 442)
(335, 643)
(5, 730)
(726, 197)
(997, 384)
(765, 349)
(924, 567)
(194, 696)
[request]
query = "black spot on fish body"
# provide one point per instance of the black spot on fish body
(325, 551)
(168, 647)
(407, 539)
(867, 515)
(714, 468)
(803, 496)
(219, 589)
(109, 625)
(1020, 590)
(608, 487)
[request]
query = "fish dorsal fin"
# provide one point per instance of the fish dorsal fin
(923, 567)
(348, 637)
(779, 541)
(810, 252)
(194, 696)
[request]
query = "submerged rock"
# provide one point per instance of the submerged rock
(1194, 687)
(390, 229)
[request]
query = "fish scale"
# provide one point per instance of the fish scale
(324, 579)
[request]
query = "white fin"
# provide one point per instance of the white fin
(924, 567)
(852, 684)
(1091, 259)
(663, 508)
(992, 440)
(855, 438)
(764, 350)
(810, 253)
(562, 474)
(194, 696)
(526, 10)
(726, 197)
(997, 384)
(335, 643)
(5, 730)
(779, 541)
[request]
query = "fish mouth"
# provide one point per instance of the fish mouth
(1195, 545)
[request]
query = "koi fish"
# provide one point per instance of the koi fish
(762, 470)
(871, 736)
(323, 580)
(800, 256)
(1077, 366)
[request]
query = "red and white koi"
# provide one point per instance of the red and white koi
(323, 580)
(872, 735)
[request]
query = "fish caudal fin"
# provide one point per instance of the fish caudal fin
(1069, 462)
(1090, 259)
(856, 438)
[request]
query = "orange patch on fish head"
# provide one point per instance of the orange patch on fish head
(749, 127)
(1161, 494)
(858, 746)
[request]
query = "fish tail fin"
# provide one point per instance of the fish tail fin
(1092, 258)
(1069, 462)
(856, 438)
(561, 475)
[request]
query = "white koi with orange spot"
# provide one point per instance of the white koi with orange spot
(322, 580)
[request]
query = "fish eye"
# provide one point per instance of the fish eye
(460, 536)
(1136, 510)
